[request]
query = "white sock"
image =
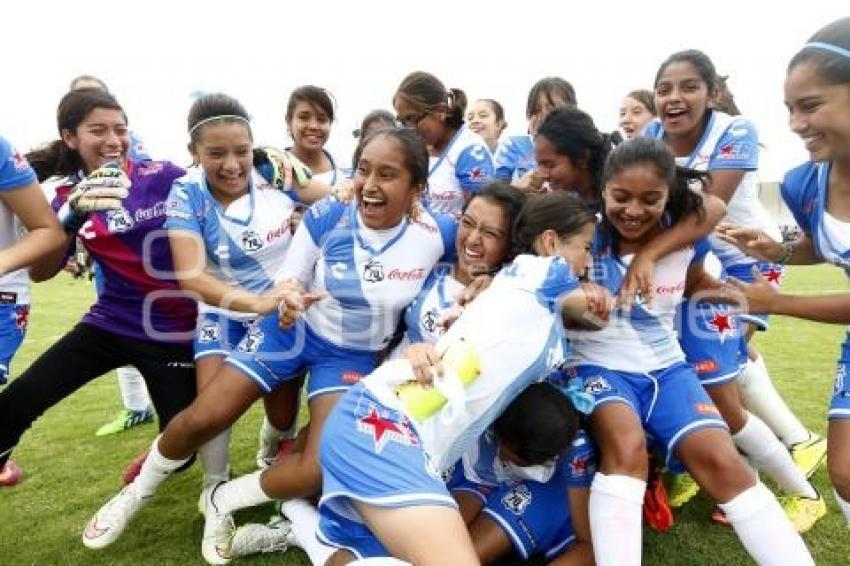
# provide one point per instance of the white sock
(305, 523)
(134, 394)
(844, 506)
(215, 457)
(615, 519)
(241, 493)
(770, 456)
(762, 399)
(764, 529)
(154, 471)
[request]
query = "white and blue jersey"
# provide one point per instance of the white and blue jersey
(246, 242)
(729, 142)
(137, 150)
(368, 278)
(15, 173)
(515, 328)
(637, 361)
(535, 516)
(514, 157)
(644, 339)
(805, 191)
(464, 167)
(437, 296)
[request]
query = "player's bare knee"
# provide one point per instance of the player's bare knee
(626, 454)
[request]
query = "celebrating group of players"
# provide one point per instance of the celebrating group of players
(506, 339)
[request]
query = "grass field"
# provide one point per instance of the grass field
(69, 473)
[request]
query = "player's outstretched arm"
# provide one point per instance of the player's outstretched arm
(587, 306)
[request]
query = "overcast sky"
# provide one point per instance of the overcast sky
(153, 54)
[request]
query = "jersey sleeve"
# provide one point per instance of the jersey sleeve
(138, 151)
(579, 464)
(474, 167)
(799, 190)
(506, 159)
(304, 251)
(181, 212)
(653, 129)
(737, 148)
(322, 217)
(15, 172)
(558, 281)
(447, 226)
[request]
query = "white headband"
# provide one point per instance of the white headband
(219, 117)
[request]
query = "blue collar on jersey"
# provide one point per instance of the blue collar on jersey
(218, 206)
(367, 247)
(446, 151)
(820, 204)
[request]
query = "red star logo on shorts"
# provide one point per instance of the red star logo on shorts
(720, 322)
(773, 275)
(384, 430)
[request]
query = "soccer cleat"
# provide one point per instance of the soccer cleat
(809, 454)
(803, 512)
(254, 538)
(681, 488)
(10, 474)
(218, 530)
(134, 468)
(110, 521)
(125, 420)
(656, 508)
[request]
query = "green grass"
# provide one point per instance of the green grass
(69, 473)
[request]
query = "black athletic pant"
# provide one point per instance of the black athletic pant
(83, 354)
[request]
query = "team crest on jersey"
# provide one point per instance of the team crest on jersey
(723, 323)
(251, 241)
(429, 321)
(252, 341)
(517, 499)
(383, 428)
(373, 271)
(118, 220)
(209, 332)
(596, 385)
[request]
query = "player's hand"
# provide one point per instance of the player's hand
(600, 303)
(449, 317)
(295, 218)
(101, 190)
(531, 182)
(757, 297)
(637, 282)
(293, 304)
(344, 191)
(478, 284)
(425, 360)
(752, 241)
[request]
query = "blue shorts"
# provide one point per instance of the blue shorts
(271, 356)
(218, 334)
(371, 454)
(535, 516)
(713, 341)
(670, 403)
(13, 327)
(773, 272)
(839, 406)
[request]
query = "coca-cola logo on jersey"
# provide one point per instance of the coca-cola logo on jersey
(670, 289)
(409, 275)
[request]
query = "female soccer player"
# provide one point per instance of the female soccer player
(486, 117)
(351, 270)
(309, 115)
(22, 204)
(513, 159)
(637, 372)
(139, 319)
(817, 93)
(636, 111)
(509, 336)
(460, 162)
(708, 140)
